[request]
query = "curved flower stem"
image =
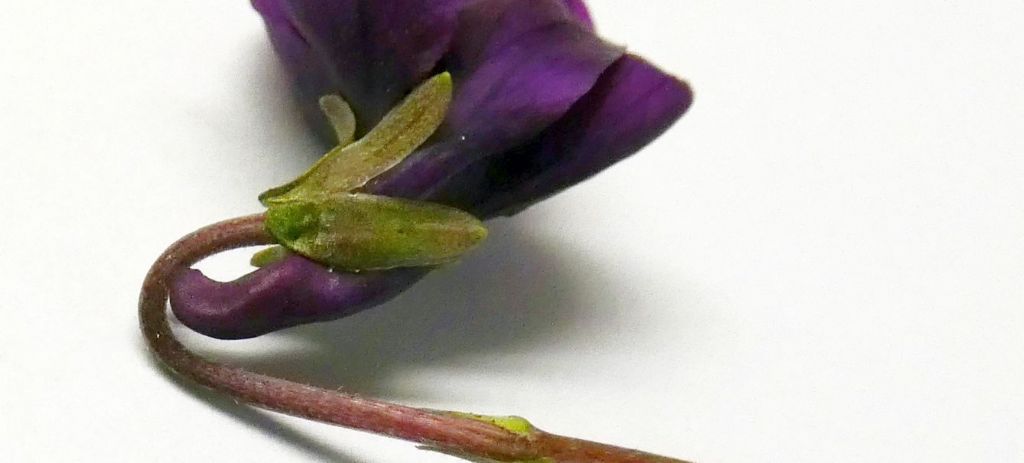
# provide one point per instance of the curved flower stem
(512, 439)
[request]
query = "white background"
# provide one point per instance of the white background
(823, 261)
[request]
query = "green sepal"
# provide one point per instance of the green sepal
(271, 255)
(355, 232)
(339, 114)
(402, 130)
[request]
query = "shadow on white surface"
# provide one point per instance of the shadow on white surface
(517, 296)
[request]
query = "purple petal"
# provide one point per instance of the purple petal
(631, 105)
(579, 8)
(288, 293)
(517, 70)
(370, 51)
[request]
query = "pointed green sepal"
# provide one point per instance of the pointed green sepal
(341, 118)
(269, 256)
(356, 232)
(401, 131)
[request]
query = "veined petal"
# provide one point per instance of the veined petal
(632, 104)
(517, 70)
(370, 51)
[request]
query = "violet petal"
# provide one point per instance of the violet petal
(371, 52)
(579, 8)
(287, 293)
(632, 104)
(517, 70)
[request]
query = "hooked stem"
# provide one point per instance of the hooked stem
(508, 440)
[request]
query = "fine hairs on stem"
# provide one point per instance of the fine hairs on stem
(459, 434)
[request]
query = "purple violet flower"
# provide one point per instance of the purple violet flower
(541, 103)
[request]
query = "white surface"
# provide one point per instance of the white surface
(824, 261)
